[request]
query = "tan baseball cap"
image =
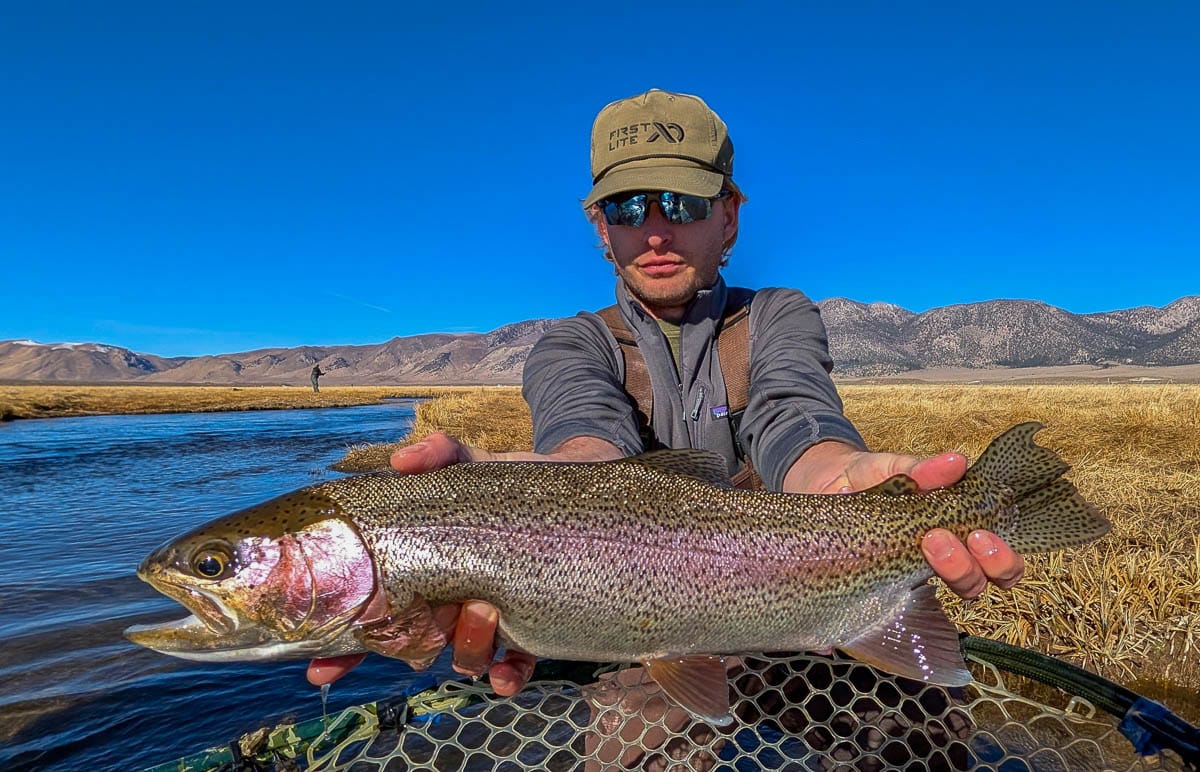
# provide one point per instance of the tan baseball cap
(659, 140)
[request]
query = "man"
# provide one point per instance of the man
(316, 373)
(666, 209)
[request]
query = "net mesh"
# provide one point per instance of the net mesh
(792, 712)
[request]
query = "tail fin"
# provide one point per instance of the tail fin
(1050, 513)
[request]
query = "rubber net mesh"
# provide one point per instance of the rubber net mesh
(792, 712)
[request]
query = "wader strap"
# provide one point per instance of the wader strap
(733, 352)
(637, 375)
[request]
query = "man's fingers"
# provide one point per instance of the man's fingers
(950, 559)
(436, 451)
(474, 638)
(510, 674)
(967, 568)
(329, 669)
(998, 561)
(446, 618)
(939, 471)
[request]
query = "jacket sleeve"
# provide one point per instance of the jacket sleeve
(792, 403)
(572, 384)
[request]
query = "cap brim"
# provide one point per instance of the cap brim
(639, 175)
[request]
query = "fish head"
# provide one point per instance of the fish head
(285, 579)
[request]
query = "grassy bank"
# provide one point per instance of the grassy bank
(66, 401)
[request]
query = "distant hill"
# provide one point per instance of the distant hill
(880, 339)
(866, 340)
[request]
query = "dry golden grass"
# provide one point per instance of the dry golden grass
(492, 418)
(1127, 606)
(52, 401)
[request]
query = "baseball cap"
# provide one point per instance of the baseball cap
(659, 140)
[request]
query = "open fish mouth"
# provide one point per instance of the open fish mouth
(206, 609)
(178, 637)
(192, 638)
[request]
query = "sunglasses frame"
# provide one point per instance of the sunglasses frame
(674, 211)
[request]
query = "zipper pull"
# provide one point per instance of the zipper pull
(699, 402)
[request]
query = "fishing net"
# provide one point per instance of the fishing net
(793, 712)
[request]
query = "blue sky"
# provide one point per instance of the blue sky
(185, 179)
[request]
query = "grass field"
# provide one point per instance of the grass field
(67, 401)
(1126, 606)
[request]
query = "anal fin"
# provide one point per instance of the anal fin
(920, 643)
(699, 683)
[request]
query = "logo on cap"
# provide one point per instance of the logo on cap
(640, 132)
(667, 131)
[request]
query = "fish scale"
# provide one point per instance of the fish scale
(654, 559)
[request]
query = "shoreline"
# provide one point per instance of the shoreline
(72, 400)
(35, 401)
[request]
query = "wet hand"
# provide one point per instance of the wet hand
(474, 636)
(965, 568)
(834, 467)
(435, 452)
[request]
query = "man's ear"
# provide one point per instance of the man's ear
(732, 206)
(602, 229)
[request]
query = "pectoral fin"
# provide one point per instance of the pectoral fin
(699, 683)
(410, 634)
(920, 643)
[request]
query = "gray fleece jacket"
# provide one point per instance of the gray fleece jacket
(574, 375)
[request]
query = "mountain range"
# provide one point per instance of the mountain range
(865, 340)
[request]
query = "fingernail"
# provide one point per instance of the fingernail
(984, 543)
(416, 447)
(938, 544)
(473, 638)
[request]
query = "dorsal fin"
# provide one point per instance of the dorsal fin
(703, 465)
(896, 485)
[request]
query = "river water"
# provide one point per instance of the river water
(82, 501)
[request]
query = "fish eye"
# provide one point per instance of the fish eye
(210, 563)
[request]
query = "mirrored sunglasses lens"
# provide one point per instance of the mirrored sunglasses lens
(631, 212)
(692, 208)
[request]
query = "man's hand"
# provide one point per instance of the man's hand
(471, 626)
(834, 467)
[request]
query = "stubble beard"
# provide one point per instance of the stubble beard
(678, 291)
(659, 294)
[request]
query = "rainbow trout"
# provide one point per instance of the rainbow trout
(652, 559)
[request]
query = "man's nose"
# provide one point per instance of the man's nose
(656, 228)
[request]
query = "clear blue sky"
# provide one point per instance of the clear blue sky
(197, 178)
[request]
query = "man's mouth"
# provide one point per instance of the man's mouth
(661, 268)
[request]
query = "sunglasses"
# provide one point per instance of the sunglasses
(678, 208)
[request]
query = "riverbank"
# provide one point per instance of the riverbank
(63, 401)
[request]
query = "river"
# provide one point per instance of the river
(82, 501)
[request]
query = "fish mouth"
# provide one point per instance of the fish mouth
(192, 638)
(206, 608)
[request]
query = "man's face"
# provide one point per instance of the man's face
(664, 265)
